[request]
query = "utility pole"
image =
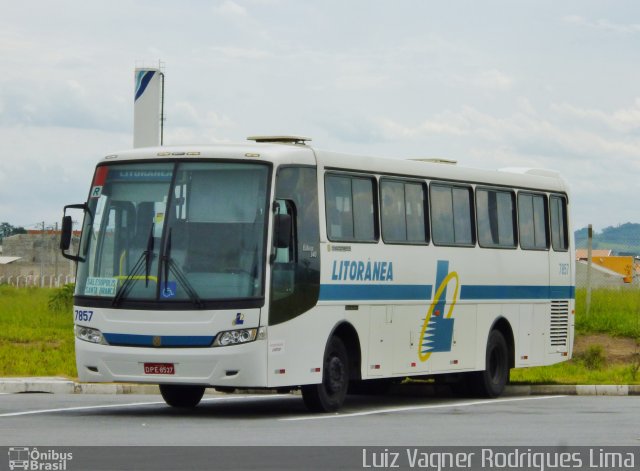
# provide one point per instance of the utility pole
(42, 258)
(55, 256)
(589, 253)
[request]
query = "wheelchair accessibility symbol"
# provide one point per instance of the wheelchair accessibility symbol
(169, 289)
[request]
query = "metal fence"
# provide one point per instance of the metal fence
(607, 264)
(24, 281)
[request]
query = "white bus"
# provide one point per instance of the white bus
(276, 265)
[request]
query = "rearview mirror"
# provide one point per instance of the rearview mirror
(67, 231)
(282, 231)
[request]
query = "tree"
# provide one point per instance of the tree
(7, 230)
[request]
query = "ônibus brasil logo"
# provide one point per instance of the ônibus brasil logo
(32, 459)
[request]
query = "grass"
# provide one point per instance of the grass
(34, 339)
(589, 367)
(574, 372)
(613, 311)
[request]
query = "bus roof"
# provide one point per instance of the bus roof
(272, 152)
(285, 152)
(438, 169)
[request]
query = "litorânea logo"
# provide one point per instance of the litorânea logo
(437, 329)
(32, 459)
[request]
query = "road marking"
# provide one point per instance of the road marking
(134, 404)
(414, 408)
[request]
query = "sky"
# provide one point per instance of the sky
(490, 84)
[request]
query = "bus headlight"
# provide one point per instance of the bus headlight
(235, 337)
(89, 335)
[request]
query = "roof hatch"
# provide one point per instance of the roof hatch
(280, 139)
(437, 161)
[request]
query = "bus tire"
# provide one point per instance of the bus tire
(492, 381)
(329, 395)
(180, 395)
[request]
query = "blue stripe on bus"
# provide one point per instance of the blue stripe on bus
(165, 340)
(486, 292)
(375, 292)
(423, 292)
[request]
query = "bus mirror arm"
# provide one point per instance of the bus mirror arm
(67, 231)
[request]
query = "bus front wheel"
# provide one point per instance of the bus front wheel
(492, 381)
(179, 395)
(329, 395)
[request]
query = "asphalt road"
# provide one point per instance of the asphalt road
(241, 420)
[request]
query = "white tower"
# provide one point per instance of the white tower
(148, 107)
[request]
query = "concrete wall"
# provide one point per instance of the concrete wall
(38, 252)
(601, 277)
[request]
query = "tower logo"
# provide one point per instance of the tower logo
(437, 330)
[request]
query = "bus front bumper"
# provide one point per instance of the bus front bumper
(233, 366)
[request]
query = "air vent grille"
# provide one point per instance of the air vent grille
(559, 329)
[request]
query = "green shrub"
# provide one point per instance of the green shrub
(61, 299)
(634, 368)
(593, 357)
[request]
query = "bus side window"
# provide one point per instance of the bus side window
(363, 209)
(350, 206)
(339, 206)
(295, 271)
(495, 213)
(286, 254)
(559, 239)
(451, 215)
(283, 273)
(393, 210)
(402, 209)
(532, 221)
(416, 199)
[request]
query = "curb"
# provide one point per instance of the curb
(56, 385)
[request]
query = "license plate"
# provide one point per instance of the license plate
(159, 369)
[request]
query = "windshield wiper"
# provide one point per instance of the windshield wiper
(171, 266)
(146, 258)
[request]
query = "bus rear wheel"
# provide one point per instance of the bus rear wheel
(492, 381)
(329, 395)
(179, 395)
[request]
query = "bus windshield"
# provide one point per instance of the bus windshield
(190, 231)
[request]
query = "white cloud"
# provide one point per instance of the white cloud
(603, 25)
(493, 80)
(230, 8)
(242, 52)
(523, 129)
(623, 120)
